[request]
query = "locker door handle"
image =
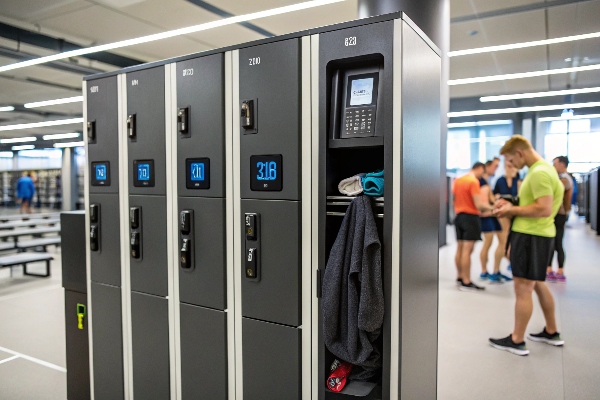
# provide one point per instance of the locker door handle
(131, 128)
(186, 234)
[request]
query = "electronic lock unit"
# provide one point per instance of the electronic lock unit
(354, 102)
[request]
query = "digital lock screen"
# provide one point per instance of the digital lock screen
(197, 173)
(143, 173)
(101, 174)
(266, 173)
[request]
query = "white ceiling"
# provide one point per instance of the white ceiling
(89, 22)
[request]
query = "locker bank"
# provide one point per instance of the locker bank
(215, 219)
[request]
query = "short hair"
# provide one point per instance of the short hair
(496, 158)
(489, 162)
(515, 143)
(563, 159)
(478, 165)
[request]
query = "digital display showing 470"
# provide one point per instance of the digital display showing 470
(266, 172)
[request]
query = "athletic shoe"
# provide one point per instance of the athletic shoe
(509, 268)
(550, 277)
(483, 276)
(507, 344)
(495, 278)
(470, 287)
(561, 278)
(547, 338)
(505, 277)
(458, 281)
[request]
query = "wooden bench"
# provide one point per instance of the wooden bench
(41, 242)
(24, 259)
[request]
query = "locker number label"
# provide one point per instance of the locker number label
(188, 72)
(350, 41)
(94, 89)
(254, 61)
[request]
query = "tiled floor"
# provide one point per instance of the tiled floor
(470, 369)
(32, 325)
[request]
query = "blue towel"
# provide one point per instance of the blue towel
(373, 184)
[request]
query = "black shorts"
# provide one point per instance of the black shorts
(529, 255)
(468, 227)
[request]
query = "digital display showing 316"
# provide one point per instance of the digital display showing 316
(266, 173)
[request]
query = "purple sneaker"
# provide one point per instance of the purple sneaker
(551, 277)
(561, 278)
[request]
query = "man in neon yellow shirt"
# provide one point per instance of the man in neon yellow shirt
(531, 243)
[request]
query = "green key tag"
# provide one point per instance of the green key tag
(81, 310)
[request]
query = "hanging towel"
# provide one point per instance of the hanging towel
(373, 184)
(352, 302)
(351, 186)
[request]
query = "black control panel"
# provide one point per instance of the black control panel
(135, 232)
(360, 105)
(266, 173)
(100, 174)
(186, 239)
(143, 173)
(94, 227)
(252, 253)
(197, 173)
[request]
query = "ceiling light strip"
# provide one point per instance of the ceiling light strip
(534, 95)
(581, 116)
(69, 144)
(522, 45)
(23, 147)
(521, 109)
(18, 140)
(45, 103)
(521, 75)
(168, 34)
(41, 124)
(7, 108)
(479, 123)
(61, 136)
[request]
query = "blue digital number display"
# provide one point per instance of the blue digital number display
(143, 172)
(101, 172)
(267, 171)
(197, 171)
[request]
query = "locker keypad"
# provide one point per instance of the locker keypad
(359, 121)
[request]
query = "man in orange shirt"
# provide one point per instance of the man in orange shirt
(467, 206)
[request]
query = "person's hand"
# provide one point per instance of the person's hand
(504, 210)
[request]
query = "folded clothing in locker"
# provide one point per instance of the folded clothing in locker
(353, 303)
(370, 183)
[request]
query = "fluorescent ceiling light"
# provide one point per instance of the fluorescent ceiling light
(69, 144)
(169, 34)
(520, 75)
(41, 124)
(581, 116)
(18, 140)
(45, 103)
(523, 44)
(23, 147)
(479, 123)
(6, 154)
(7, 108)
(521, 109)
(61, 136)
(538, 94)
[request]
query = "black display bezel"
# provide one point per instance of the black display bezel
(271, 186)
(351, 78)
(136, 181)
(97, 182)
(189, 183)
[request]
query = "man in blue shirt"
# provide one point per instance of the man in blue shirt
(25, 192)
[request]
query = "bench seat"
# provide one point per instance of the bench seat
(25, 258)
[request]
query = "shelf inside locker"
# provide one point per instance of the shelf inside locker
(356, 143)
(353, 389)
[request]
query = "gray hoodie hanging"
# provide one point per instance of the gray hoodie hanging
(353, 304)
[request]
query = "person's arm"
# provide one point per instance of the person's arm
(541, 208)
(484, 195)
(568, 196)
(479, 203)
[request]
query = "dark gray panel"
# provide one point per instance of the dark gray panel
(150, 341)
(271, 359)
(420, 199)
(275, 84)
(205, 284)
(77, 345)
(106, 262)
(594, 207)
(73, 251)
(102, 108)
(276, 297)
(108, 342)
(203, 93)
(146, 99)
(203, 353)
(149, 273)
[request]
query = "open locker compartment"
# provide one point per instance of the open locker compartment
(343, 156)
